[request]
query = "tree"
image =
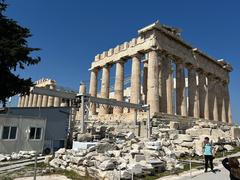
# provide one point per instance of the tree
(14, 54)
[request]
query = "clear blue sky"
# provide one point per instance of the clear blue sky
(70, 33)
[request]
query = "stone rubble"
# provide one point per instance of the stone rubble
(17, 156)
(125, 154)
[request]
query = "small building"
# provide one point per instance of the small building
(54, 131)
(21, 133)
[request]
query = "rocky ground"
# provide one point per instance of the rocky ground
(125, 155)
(17, 156)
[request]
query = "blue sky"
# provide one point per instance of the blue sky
(70, 33)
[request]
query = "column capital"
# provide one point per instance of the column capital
(121, 61)
(178, 61)
(190, 66)
(137, 55)
(95, 69)
(211, 76)
(107, 65)
(145, 63)
(200, 70)
(224, 82)
(154, 48)
(169, 56)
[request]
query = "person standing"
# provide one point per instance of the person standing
(208, 153)
(232, 165)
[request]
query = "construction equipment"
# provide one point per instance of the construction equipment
(83, 101)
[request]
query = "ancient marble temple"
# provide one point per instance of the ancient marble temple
(43, 100)
(162, 55)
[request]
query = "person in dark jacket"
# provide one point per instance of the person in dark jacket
(232, 165)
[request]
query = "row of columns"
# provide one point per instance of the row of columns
(119, 84)
(207, 96)
(38, 100)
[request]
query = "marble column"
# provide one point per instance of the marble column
(193, 101)
(160, 84)
(145, 77)
(26, 100)
(135, 80)
(105, 87)
(206, 102)
(119, 85)
(163, 75)
(181, 107)
(35, 98)
(56, 102)
(64, 103)
(45, 101)
(153, 82)
(203, 101)
(219, 94)
(230, 121)
(93, 89)
(215, 109)
(22, 101)
(223, 113)
(51, 98)
(227, 104)
(211, 95)
(30, 100)
(39, 100)
(82, 88)
(50, 101)
(169, 87)
(19, 100)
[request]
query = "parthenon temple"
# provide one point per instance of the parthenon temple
(45, 100)
(162, 55)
